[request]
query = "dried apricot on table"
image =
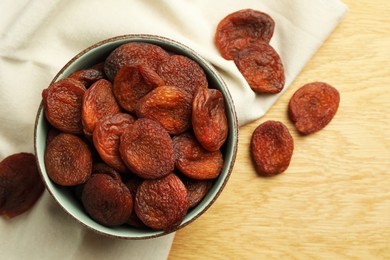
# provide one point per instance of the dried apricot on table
(209, 120)
(162, 203)
(132, 82)
(106, 137)
(62, 101)
(313, 106)
(68, 160)
(182, 72)
(170, 106)
(134, 53)
(107, 200)
(271, 148)
(242, 28)
(20, 184)
(193, 160)
(98, 102)
(261, 67)
(147, 149)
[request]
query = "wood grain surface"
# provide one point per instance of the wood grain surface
(333, 202)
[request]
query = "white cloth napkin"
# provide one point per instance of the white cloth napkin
(37, 37)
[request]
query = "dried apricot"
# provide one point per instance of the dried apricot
(182, 72)
(193, 160)
(162, 203)
(20, 184)
(209, 120)
(106, 138)
(132, 82)
(147, 149)
(262, 68)
(313, 106)
(132, 184)
(102, 168)
(170, 106)
(196, 189)
(68, 160)
(62, 101)
(242, 28)
(98, 102)
(106, 200)
(271, 148)
(88, 76)
(134, 53)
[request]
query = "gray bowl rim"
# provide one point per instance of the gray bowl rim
(158, 40)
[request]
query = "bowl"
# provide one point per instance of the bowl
(91, 56)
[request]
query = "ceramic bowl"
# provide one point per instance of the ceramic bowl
(89, 57)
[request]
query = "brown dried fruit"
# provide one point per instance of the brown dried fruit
(106, 138)
(162, 203)
(106, 200)
(242, 28)
(196, 189)
(89, 76)
(68, 160)
(170, 106)
(63, 102)
(102, 168)
(134, 53)
(147, 149)
(193, 160)
(271, 148)
(262, 68)
(132, 184)
(184, 73)
(98, 102)
(209, 120)
(51, 133)
(313, 106)
(132, 82)
(20, 184)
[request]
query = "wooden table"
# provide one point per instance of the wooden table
(333, 202)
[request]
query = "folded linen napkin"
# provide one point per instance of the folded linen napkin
(37, 37)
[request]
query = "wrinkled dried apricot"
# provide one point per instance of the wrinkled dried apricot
(193, 160)
(313, 106)
(98, 102)
(132, 184)
(242, 28)
(209, 120)
(261, 67)
(182, 72)
(88, 76)
(162, 203)
(102, 168)
(106, 200)
(20, 184)
(134, 53)
(170, 106)
(132, 82)
(147, 149)
(62, 101)
(106, 138)
(196, 189)
(271, 148)
(68, 160)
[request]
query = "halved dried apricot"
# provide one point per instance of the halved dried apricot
(209, 120)
(239, 29)
(162, 203)
(271, 148)
(193, 160)
(313, 106)
(170, 106)
(20, 184)
(147, 149)
(68, 160)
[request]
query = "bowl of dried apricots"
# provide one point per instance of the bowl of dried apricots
(136, 136)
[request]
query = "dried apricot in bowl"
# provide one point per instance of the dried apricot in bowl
(105, 141)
